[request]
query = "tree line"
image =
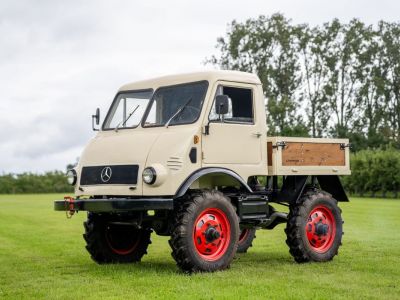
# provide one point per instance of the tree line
(333, 80)
(24, 183)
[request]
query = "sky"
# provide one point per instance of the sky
(60, 60)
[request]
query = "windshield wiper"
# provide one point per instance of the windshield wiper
(126, 120)
(178, 112)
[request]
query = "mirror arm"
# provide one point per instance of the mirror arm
(93, 128)
(207, 129)
(221, 116)
(96, 118)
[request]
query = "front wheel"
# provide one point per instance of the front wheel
(314, 228)
(113, 242)
(205, 233)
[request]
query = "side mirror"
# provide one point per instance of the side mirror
(96, 119)
(222, 104)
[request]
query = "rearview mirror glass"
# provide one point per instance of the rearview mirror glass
(222, 104)
(97, 116)
(96, 119)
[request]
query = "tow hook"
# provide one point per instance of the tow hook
(69, 206)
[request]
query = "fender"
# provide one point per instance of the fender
(209, 170)
(293, 188)
(332, 185)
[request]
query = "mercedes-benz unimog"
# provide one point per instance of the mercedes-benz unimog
(188, 156)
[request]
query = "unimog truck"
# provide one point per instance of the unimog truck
(188, 156)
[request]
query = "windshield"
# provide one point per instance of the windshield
(179, 104)
(127, 109)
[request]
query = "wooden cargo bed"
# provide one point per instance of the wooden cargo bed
(308, 156)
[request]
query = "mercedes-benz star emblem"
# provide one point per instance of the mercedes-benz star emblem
(106, 174)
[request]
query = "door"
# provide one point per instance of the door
(234, 138)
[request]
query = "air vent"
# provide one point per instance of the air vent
(175, 163)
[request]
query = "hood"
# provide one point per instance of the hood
(165, 149)
(118, 148)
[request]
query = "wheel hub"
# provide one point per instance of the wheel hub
(321, 229)
(211, 234)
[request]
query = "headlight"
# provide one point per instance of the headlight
(71, 177)
(149, 175)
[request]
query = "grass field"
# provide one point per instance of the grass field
(42, 255)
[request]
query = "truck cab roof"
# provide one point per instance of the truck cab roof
(210, 76)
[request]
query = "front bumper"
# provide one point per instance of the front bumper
(113, 205)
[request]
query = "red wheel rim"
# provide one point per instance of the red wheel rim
(321, 229)
(211, 234)
(120, 240)
(243, 235)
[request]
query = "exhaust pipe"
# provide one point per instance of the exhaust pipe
(274, 219)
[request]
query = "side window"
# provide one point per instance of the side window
(241, 105)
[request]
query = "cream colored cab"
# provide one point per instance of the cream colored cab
(169, 149)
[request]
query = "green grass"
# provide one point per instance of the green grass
(42, 255)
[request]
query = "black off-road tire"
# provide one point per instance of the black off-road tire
(246, 237)
(111, 243)
(304, 248)
(188, 223)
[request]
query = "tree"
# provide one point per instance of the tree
(390, 35)
(312, 47)
(368, 129)
(265, 46)
(342, 60)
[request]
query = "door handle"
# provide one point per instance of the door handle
(257, 134)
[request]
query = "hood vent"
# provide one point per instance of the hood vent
(175, 163)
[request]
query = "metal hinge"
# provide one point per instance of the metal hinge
(279, 144)
(344, 146)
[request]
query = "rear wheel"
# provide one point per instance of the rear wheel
(109, 242)
(246, 238)
(205, 233)
(314, 228)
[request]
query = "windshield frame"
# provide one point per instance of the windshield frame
(146, 113)
(115, 100)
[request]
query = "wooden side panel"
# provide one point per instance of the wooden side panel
(312, 154)
(269, 153)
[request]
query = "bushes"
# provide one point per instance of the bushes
(49, 182)
(374, 172)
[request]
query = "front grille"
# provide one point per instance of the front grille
(121, 174)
